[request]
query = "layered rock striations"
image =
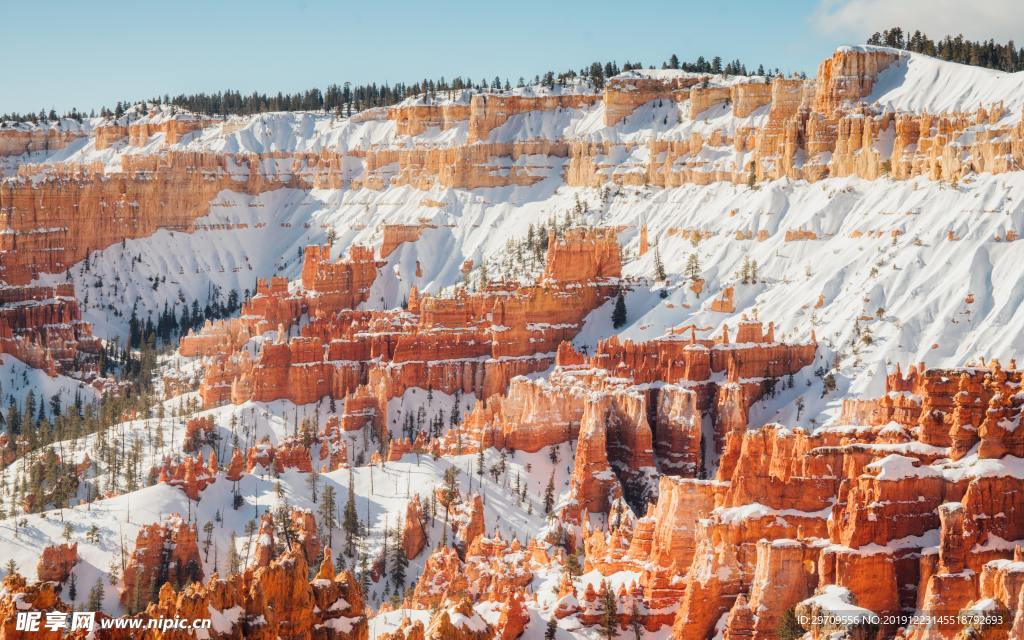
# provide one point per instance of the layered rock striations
(43, 327)
(845, 523)
(469, 342)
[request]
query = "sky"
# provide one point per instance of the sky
(65, 54)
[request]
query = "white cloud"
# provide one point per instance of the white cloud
(976, 19)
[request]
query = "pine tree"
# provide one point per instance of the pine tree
(234, 561)
(552, 628)
(789, 627)
(608, 606)
(72, 588)
(693, 267)
(328, 505)
(549, 494)
(96, 596)
(399, 560)
(350, 522)
(619, 312)
(311, 484)
(634, 620)
(659, 267)
(454, 418)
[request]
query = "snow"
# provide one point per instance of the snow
(972, 466)
(17, 379)
(918, 83)
(839, 601)
(754, 510)
(223, 621)
(340, 624)
(912, 288)
(895, 467)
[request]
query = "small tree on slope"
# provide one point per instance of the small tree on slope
(619, 312)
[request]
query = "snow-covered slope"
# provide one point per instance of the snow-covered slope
(879, 271)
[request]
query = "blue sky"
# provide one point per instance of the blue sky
(87, 54)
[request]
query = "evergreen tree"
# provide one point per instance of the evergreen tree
(13, 419)
(659, 267)
(350, 522)
(635, 620)
(399, 561)
(693, 269)
(311, 483)
(328, 505)
(549, 494)
(608, 607)
(552, 628)
(234, 561)
(789, 627)
(96, 596)
(619, 312)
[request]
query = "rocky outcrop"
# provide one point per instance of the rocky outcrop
(56, 562)
(849, 75)
(488, 112)
(467, 343)
(191, 475)
(269, 602)
(20, 596)
(414, 119)
(414, 538)
(593, 483)
(397, 234)
(20, 138)
(42, 326)
(165, 552)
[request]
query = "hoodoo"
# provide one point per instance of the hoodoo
(689, 352)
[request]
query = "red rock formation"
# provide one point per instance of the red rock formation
(164, 552)
(56, 562)
(192, 475)
(849, 75)
(42, 326)
(593, 483)
(267, 603)
(306, 536)
(414, 538)
(397, 234)
(468, 343)
(83, 209)
(473, 523)
(19, 596)
(20, 138)
(514, 618)
(290, 454)
(197, 433)
(265, 545)
(488, 112)
(414, 119)
(236, 467)
(624, 93)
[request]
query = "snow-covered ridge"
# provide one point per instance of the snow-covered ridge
(917, 83)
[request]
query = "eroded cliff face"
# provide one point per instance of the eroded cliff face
(812, 129)
(843, 521)
(276, 600)
(53, 214)
(911, 502)
(16, 140)
(42, 326)
(471, 342)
